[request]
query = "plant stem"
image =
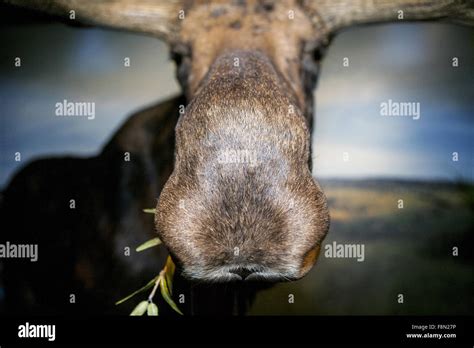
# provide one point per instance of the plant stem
(157, 283)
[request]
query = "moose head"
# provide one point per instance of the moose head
(241, 202)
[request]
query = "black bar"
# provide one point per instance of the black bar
(260, 330)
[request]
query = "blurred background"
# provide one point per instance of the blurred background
(365, 162)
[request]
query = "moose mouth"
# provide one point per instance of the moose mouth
(252, 275)
(244, 275)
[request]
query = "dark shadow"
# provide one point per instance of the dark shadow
(82, 243)
(82, 249)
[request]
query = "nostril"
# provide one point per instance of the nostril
(243, 272)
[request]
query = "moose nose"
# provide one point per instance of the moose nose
(242, 272)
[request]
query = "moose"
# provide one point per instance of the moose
(248, 69)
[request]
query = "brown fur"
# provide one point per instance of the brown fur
(243, 72)
(263, 25)
(269, 208)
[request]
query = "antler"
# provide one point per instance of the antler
(158, 18)
(332, 15)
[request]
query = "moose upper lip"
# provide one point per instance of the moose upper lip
(256, 276)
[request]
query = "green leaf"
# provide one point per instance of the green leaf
(140, 309)
(166, 295)
(146, 287)
(170, 268)
(150, 211)
(152, 309)
(149, 244)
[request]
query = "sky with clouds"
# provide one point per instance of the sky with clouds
(401, 62)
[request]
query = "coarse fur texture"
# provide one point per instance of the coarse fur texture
(241, 202)
(263, 213)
